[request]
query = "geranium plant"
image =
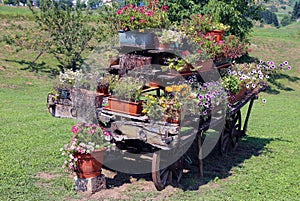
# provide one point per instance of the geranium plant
(133, 17)
(86, 139)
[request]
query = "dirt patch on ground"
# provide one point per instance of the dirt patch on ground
(47, 176)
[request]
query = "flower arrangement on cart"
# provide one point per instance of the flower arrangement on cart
(195, 41)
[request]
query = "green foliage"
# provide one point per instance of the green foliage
(237, 14)
(182, 9)
(231, 83)
(269, 17)
(296, 11)
(127, 88)
(68, 32)
(286, 20)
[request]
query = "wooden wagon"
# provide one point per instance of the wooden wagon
(160, 140)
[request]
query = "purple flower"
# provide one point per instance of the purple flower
(200, 96)
(286, 63)
(289, 67)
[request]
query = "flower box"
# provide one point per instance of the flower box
(137, 39)
(123, 106)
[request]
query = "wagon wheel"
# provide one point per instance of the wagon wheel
(231, 133)
(162, 175)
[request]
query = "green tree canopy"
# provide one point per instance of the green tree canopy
(68, 31)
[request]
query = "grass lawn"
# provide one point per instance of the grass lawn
(264, 167)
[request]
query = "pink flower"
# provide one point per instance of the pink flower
(119, 12)
(149, 13)
(141, 21)
(221, 42)
(132, 18)
(106, 133)
(74, 129)
(199, 51)
(164, 8)
(185, 52)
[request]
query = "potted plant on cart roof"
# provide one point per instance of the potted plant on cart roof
(135, 22)
(126, 94)
(85, 152)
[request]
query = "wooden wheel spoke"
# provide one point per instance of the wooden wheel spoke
(231, 133)
(164, 176)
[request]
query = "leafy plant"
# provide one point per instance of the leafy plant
(233, 47)
(231, 83)
(127, 88)
(174, 63)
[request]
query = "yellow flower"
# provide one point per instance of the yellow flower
(168, 89)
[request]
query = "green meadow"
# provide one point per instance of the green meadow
(265, 166)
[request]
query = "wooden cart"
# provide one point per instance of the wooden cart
(162, 140)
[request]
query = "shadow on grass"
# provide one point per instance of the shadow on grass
(215, 165)
(279, 86)
(37, 67)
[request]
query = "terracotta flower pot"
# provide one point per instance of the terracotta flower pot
(238, 96)
(89, 165)
(218, 34)
(123, 106)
